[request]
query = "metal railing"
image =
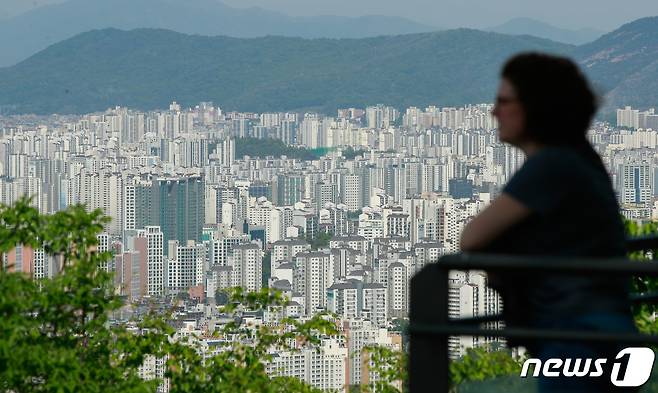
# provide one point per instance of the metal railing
(430, 326)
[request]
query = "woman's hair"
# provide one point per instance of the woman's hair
(556, 97)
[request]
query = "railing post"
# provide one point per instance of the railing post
(428, 354)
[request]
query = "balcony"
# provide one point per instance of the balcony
(430, 327)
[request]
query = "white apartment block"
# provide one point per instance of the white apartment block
(398, 290)
(185, 266)
(324, 368)
(359, 335)
(152, 247)
(285, 250)
(247, 264)
(635, 183)
(470, 297)
(312, 276)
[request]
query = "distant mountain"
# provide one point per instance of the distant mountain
(528, 26)
(624, 63)
(148, 68)
(28, 33)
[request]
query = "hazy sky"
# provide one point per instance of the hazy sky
(12, 7)
(599, 14)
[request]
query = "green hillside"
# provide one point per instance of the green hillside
(148, 68)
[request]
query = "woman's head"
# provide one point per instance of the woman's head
(543, 99)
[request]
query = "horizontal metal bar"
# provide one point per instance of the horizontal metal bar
(539, 264)
(648, 297)
(452, 329)
(477, 320)
(642, 243)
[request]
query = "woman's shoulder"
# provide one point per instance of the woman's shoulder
(567, 160)
(554, 174)
(558, 153)
(551, 161)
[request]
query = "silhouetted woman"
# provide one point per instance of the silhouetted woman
(559, 203)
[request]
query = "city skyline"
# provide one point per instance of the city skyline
(387, 192)
(269, 195)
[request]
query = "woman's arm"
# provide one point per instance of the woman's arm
(501, 214)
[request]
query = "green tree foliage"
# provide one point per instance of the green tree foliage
(644, 313)
(321, 240)
(222, 297)
(390, 368)
(350, 153)
(479, 364)
(483, 363)
(56, 336)
(255, 147)
(240, 364)
(354, 215)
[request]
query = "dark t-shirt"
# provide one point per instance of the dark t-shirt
(574, 213)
